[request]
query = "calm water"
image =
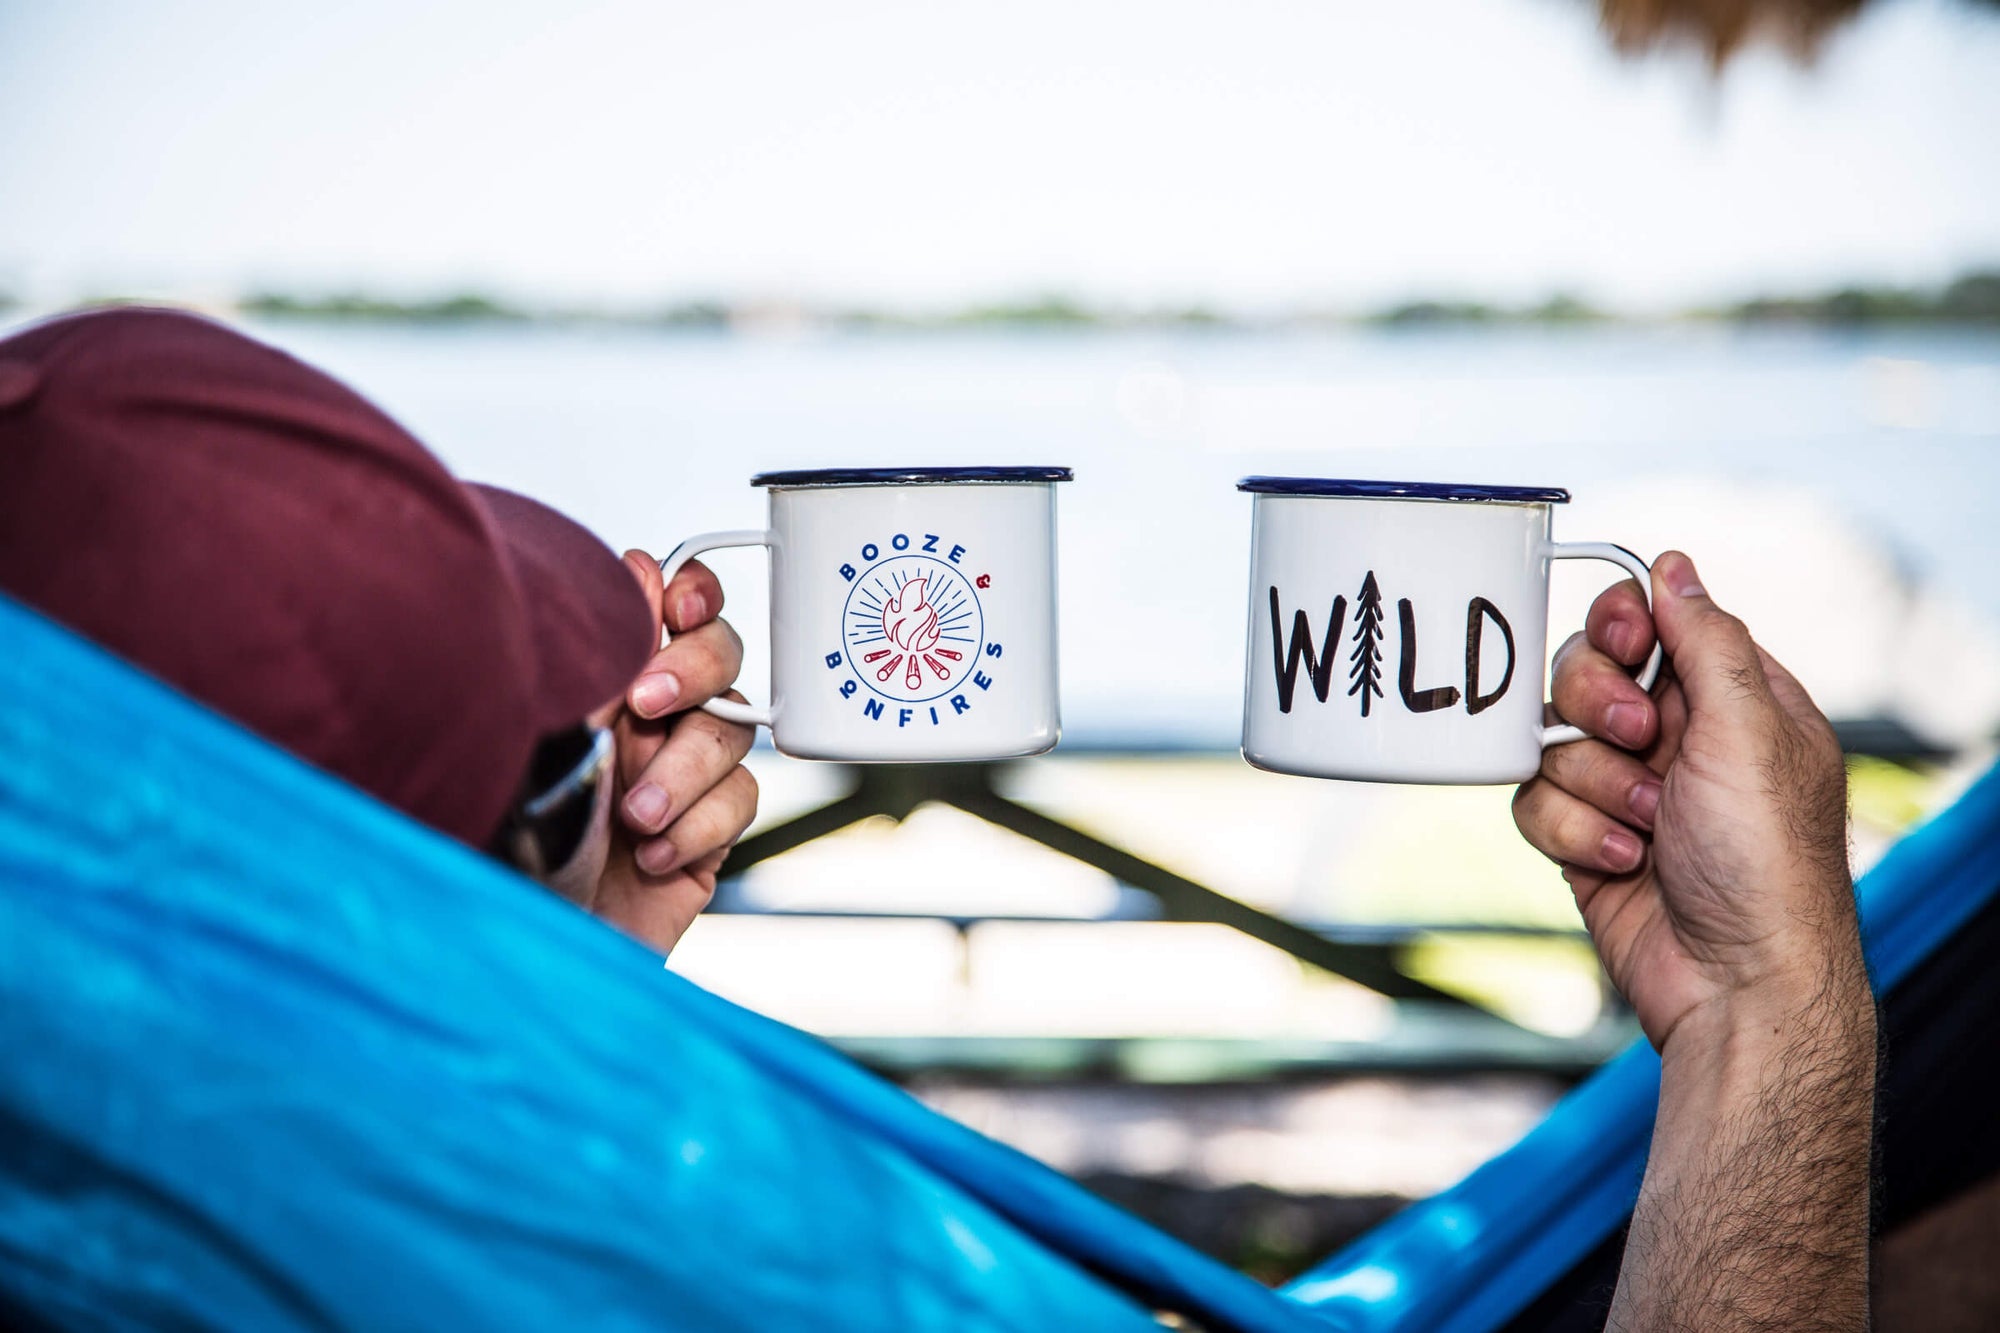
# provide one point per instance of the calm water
(1736, 445)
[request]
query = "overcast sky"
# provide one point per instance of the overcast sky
(1245, 152)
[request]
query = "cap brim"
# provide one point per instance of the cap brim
(588, 619)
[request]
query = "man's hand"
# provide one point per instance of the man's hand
(1705, 833)
(1703, 830)
(683, 796)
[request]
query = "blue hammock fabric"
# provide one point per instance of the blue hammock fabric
(272, 1056)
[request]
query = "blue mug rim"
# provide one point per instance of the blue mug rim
(1361, 489)
(908, 476)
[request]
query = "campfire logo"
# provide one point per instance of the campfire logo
(913, 650)
(914, 628)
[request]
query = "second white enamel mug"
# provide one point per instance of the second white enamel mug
(1397, 630)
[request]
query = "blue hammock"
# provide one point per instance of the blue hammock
(272, 1056)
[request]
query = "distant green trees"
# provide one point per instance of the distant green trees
(1562, 308)
(1972, 299)
(470, 308)
(463, 308)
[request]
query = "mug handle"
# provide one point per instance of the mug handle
(726, 709)
(1563, 733)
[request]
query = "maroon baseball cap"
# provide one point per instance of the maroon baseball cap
(261, 537)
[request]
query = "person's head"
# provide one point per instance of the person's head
(255, 534)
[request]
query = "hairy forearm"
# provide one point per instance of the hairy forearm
(1754, 1210)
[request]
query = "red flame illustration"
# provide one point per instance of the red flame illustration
(911, 623)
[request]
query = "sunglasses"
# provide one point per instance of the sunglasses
(550, 818)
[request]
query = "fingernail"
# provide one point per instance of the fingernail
(1621, 851)
(1626, 723)
(1622, 636)
(1683, 580)
(647, 806)
(655, 694)
(657, 857)
(693, 609)
(1645, 800)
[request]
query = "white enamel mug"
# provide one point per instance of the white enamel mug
(913, 612)
(1398, 629)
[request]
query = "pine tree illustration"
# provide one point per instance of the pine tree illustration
(1366, 673)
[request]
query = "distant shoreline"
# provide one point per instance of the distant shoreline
(1973, 298)
(1969, 301)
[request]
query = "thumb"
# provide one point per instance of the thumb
(1715, 660)
(647, 571)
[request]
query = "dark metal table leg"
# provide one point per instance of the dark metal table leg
(1183, 899)
(896, 790)
(829, 818)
